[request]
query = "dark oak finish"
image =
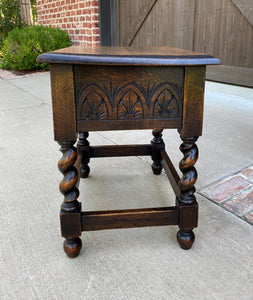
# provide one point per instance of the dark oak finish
(123, 89)
(188, 207)
(70, 208)
(116, 97)
(186, 165)
(194, 85)
(157, 144)
(127, 125)
(83, 142)
(129, 218)
(63, 101)
(167, 56)
(170, 172)
(117, 150)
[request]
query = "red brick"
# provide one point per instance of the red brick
(226, 189)
(87, 11)
(88, 38)
(94, 10)
(83, 13)
(96, 44)
(87, 3)
(85, 31)
(248, 173)
(94, 3)
(95, 31)
(95, 24)
(249, 218)
(95, 18)
(241, 204)
(96, 38)
(86, 25)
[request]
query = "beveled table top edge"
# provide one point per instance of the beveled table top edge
(127, 56)
(51, 57)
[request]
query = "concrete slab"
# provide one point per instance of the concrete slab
(12, 97)
(117, 264)
(36, 85)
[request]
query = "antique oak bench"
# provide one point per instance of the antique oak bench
(121, 88)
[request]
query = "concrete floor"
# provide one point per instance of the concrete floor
(119, 264)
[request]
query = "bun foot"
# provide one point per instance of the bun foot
(84, 171)
(185, 238)
(72, 247)
(156, 168)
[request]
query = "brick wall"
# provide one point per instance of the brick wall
(80, 18)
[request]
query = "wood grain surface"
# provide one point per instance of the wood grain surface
(63, 100)
(127, 56)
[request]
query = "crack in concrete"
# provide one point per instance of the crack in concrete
(28, 93)
(22, 108)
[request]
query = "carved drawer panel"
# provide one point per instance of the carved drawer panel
(110, 98)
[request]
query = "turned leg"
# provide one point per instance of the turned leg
(84, 169)
(70, 208)
(188, 207)
(157, 145)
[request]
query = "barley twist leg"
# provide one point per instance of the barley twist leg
(70, 205)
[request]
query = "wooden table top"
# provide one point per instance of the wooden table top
(127, 56)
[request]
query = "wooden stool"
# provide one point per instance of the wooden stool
(117, 88)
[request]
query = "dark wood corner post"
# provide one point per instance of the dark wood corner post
(63, 98)
(194, 83)
(157, 144)
(85, 152)
(70, 209)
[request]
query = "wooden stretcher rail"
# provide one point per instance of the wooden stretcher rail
(78, 165)
(129, 218)
(117, 150)
(170, 172)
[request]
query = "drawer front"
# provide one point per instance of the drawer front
(130, 97)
